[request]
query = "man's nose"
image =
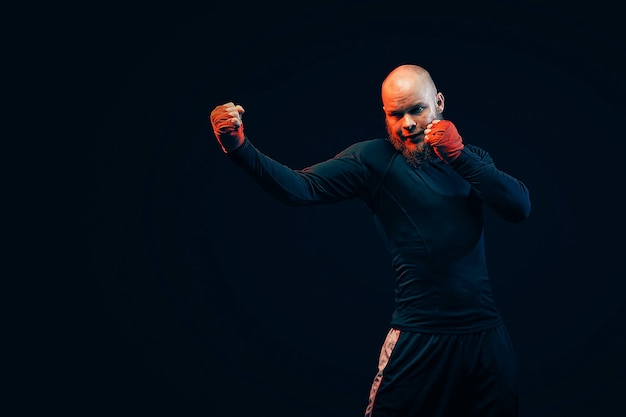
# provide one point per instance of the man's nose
(408, 123)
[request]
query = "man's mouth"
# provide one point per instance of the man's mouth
(416, 137)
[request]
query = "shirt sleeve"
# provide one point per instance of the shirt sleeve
(504, 194)
(340, 178)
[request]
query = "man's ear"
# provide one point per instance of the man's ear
(440, 102)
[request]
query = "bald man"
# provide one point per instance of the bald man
(447, 352)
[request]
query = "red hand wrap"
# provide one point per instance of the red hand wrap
(445, 140)
(228, 134)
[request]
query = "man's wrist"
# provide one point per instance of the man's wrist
(231, 143)
(233, 146)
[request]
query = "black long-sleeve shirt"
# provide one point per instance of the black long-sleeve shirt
(430, 218)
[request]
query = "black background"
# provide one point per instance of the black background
(200, 295)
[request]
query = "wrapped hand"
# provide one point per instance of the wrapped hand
(228, 125)
(445, 140)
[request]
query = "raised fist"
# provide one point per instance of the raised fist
(228, 126)
(445, 140)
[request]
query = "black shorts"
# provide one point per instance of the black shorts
(441, 375)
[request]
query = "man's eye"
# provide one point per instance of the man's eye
(417, 110)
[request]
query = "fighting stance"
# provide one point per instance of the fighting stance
(447, 352)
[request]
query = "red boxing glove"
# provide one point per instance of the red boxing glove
(445, 140)
(228, 126)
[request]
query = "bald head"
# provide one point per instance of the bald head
(406, 78)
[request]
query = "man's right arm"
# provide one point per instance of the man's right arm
(336, 179)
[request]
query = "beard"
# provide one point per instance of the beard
(415, 158)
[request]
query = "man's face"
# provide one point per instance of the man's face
(410, 106)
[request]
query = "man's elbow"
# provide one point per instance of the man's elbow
(521, 213)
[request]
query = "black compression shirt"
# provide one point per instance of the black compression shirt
(430, 218)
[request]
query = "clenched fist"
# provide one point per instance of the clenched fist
(228, 126)
(445, 140)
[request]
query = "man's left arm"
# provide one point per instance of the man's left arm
(505, 194)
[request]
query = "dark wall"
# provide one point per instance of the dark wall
(210, 298)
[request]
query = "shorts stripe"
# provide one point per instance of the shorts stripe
(385, 353)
